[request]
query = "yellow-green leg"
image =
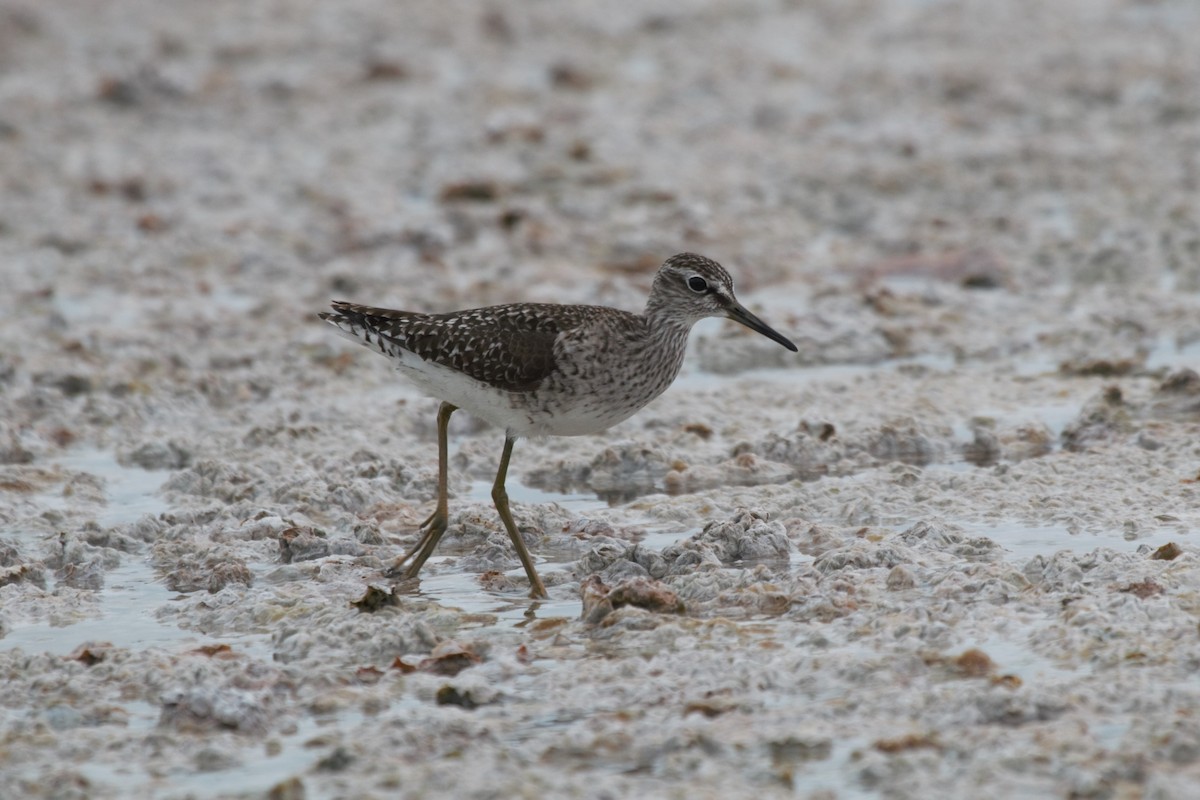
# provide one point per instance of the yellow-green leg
(500, 498)
(433, 527)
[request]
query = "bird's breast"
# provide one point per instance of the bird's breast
(597, 386)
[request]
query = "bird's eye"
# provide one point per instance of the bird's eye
(697, 284)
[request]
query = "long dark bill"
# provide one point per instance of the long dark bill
(738, 313)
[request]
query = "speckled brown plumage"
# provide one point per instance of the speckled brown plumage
(509, 347)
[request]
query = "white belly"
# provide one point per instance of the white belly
(538, 413)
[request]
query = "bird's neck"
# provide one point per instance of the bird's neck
(661, 313)
(665, 327)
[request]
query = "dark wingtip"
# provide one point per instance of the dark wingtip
(340, 309)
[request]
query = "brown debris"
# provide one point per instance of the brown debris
(374, 599)
(448, 658)
(544, 627)
(368, 675)
(90, 653)
(450, 662)
(302, 544)
(1101, 367)
(290, 789)
(714, 704)
(118, 92)
(1103, 419)
(912, 741)
(974, 663)
(213, 574)
(450, 696)
(599, 600)
(21, 574)
(384, 70)
(151, 223)
(1184, 381)
(1168, 552)
(1143, 589)
(337, 761)
(564, 75)
(1007, 681)
(476, 191)
(1178, 396)
(510, 218)
(579, 150)
(494, 580)
(214, 650)
(225, 573)
(132, 189)
(62, 436)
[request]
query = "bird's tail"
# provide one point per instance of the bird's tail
(354, 322)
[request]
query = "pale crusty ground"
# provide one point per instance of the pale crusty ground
(921, 558)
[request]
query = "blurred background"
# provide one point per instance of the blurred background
(440, 154)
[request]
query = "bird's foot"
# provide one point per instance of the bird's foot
(431, 531)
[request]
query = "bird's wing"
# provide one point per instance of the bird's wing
(509, 347)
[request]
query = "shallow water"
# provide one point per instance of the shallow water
(262, 767)
(1171, 353)
(133, 592)
(132, 595)
(1022, 542)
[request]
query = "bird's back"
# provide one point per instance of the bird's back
(508, 347)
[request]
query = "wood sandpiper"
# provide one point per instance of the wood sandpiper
(537, 369)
